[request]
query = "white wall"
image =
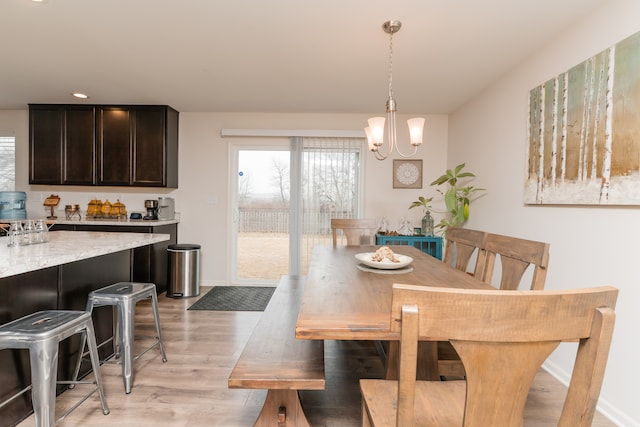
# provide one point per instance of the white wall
(590, 246)
(203, 193)
(204, 175)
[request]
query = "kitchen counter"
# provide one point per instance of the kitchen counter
(126, 222)
(69, 246)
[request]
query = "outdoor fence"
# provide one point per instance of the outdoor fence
(276, 220)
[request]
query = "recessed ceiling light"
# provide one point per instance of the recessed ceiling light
(79, 95)
(39, 1)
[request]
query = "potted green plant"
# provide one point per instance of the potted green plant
(427, 219)
(457, 196)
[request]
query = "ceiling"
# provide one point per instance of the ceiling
(328, 56)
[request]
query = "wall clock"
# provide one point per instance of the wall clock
(407, 173)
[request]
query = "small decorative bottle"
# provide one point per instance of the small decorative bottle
(427, 224)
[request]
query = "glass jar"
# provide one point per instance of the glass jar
(15, 233)
(427, 224)
(29, 233)
(42, 231)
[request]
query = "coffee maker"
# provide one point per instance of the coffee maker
(166, 208)
(152, 210)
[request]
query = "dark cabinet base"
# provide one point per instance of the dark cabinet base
(149, 263)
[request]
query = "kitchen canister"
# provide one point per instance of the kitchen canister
(13, 205)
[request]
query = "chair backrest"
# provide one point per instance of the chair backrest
(501, 362)
(516, 255)
(354, 230)
(461, 244)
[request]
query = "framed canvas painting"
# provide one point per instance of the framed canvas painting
(584, 132)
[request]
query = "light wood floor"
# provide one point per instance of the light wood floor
(191, 388)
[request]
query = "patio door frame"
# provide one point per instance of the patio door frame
(266, 139)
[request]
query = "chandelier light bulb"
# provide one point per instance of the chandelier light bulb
(416, 127)
(376, 125)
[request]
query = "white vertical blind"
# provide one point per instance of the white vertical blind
(330, 186)
(7, 163)
(295, 200)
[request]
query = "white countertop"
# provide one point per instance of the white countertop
(68, 246)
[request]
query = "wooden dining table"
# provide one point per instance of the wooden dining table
(345, 300)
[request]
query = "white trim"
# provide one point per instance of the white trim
(293, 132)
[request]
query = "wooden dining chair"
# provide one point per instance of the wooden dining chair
(501, 362)
(356, 231)
(461, 245)
(516, 255)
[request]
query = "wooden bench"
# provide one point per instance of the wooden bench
(275, 360)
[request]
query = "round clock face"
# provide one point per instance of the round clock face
(407, 173)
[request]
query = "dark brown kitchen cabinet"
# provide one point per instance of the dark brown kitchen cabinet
(147, 155)
(61, 144)
(137, 146)
(149, 263)
(123, 145)
(113, 126)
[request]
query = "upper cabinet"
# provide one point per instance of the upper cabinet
(129, 145)
(62, 144)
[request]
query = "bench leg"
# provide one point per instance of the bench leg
(282, 408)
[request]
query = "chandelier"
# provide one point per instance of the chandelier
(375, 130)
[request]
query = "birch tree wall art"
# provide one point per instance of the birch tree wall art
(584, 132)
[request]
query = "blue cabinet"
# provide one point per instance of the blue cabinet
(431, 245)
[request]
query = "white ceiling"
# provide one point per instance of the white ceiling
(269, 55)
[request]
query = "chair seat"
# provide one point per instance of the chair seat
(40, 326)
(123, 291)
(441, 403)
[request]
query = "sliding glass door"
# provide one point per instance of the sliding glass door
(261, 214)
(285, 194)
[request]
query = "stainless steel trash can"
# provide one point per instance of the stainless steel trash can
(184, 270)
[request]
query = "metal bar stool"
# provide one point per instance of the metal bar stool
(41, 333)
(124, 296)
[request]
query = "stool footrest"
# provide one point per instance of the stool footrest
(114, 359)
(15, 396)
(155, 344)
(81, 401)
